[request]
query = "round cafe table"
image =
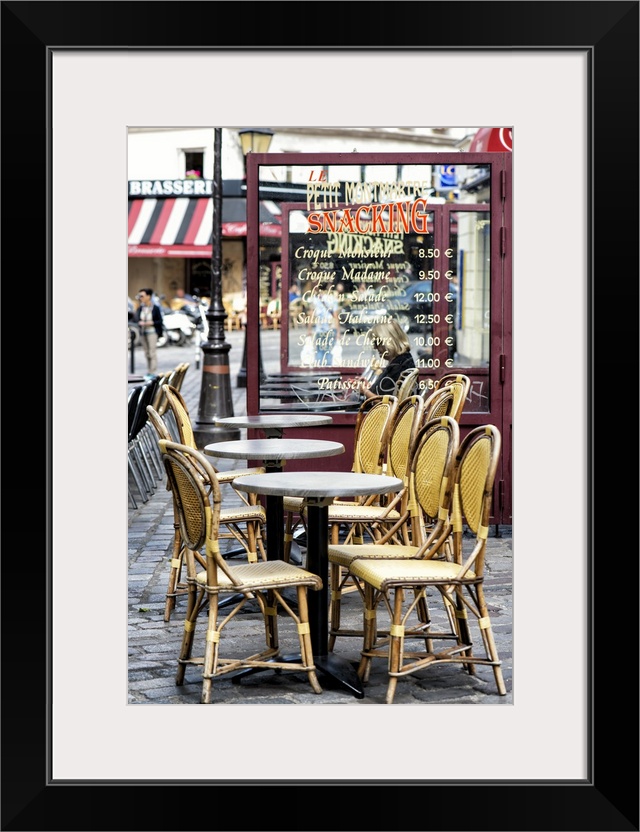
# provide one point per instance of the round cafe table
(318, 489)
(273, 424)
(273, 453)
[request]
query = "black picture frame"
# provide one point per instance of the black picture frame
(608, 798)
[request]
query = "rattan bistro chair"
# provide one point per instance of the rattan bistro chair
(430, 472)
(197, 500)
(371, 434)
(407, 383)
(243, 523)
(439, 403)
(458, 384)
(385, 517)
(458, 583)
(180, 417)
(251, 514)
(143, 458)
(176, 586)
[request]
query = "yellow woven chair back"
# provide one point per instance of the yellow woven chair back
(372, 433)
(180, 373)
(405, 425)
(440, 403)
(477, 464)
(432, 468)
(407, 384)
(163, 378)
(158, 423)
(180, 412)
(197, 499)
(460, 385)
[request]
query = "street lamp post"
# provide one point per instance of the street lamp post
(215, 390)
(252, 140)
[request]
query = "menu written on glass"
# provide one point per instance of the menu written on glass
(389, 247)
(361, 254)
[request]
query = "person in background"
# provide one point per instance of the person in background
(181, 298)
(148, 316)
(294, 292)
(393, 346)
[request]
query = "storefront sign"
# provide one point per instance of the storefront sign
(170, 187)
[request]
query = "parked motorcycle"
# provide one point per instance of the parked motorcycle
(199, 316)
(179, 328)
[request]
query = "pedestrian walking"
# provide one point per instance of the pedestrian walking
(148, 316)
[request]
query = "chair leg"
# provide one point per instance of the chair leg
(288, 536)
(335, 575)
(137, 478)
(461, 626)
(132, 499)
(271, 621)
(370, 628)
(252, 548)
(211, 651)
(304, 637)
(194, 599)
(152, 451)
(174, 573)
(260, 542)
(142, 467)
(396, 644)
(424, 616)
(489, 642)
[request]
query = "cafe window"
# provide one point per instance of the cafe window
(194, 164)
(374, 242)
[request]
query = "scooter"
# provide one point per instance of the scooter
(178, 329)
(202, 328)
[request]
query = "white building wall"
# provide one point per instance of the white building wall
(158, 153)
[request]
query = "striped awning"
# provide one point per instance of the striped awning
(182, 227)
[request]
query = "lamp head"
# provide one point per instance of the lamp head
(255, 140)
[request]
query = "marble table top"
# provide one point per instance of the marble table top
(318, 484)
(276, 420)
(274, 449)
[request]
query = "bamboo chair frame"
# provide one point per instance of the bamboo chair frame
(375, 517)
(430, 473)
(197, 499)
(142, 453)
(460, 385)
(179, 411)
(254, 515)
(244, 525)
(458, 583)
(439, 403)
(407, 383)
(371, 434)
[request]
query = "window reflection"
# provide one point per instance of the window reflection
(354, 253)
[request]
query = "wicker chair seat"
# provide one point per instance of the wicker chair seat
(339, 512)
(242, 513)
(230, 476)
(295, 504)
(345, 555)
(384, 573)
(262, 575)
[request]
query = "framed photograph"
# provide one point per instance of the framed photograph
(564, 76)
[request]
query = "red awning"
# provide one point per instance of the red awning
(492, 139)
(182, 227)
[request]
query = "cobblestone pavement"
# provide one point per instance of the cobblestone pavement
(153, 644)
